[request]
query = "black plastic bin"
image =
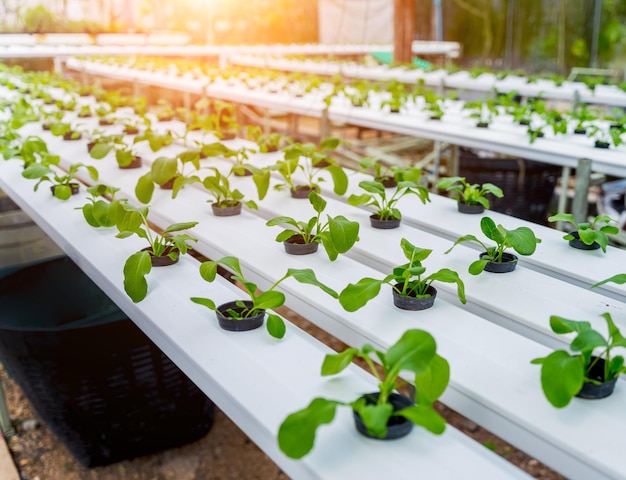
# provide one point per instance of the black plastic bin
(98, 382)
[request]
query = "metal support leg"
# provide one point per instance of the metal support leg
(565, 174)
(5, 421)
(580, 204)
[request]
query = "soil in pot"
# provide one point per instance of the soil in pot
(228, 211)
(397, 427)
(384, 224)
(296, 246)
(471, 209)
(227, 322)
(301, 191)
(599, 144)
(136, 163)
(580, 245)
(75, 187)
(162, 260)
(411, 302)
(46, 126)
(103, 122)
(580, 131)
(592, 391)
(482, 125)
(388, 182)
(508, 264)
(131, 130)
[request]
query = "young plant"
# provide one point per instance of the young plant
(337, 235)
(259, 301)
(62, 182)
(604, 136)
(470, 194)
(311, 160)
(376, 196)
(131, 220)
(522, 240)
(588, 233)
(414, 352)
(408, 280)
(218, 186)
(65, 130)
(563, 374)
(102, 213)
(30, 150)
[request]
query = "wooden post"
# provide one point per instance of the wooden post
(404, 30)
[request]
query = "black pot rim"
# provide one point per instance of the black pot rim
(579, 244)
(233, 325)
(507, 265)
(413, 303)
(400, 426)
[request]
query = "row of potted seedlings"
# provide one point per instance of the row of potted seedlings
(381, 414)
(606, 129)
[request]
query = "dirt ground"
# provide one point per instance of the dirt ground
(225, 453)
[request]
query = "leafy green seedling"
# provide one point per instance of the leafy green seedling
(408, 280)
(522, 240)
(261, 301)
(470, 193)
(414, 352)
(337, 235)
(563, 373)
(588, 233)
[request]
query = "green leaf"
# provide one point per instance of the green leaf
(562, 377)
(100, 150)
(164, 169)
(477, 267)
(523, 240)
(491, 231)
(337, 362)
(176, 227)
(319, 204)
(144, 188)
(424, 416)
(208, 270)
(340, 179)
(414, 351)
(296, 434)
(330, 143)
(207, 302)
(432, 382)
(413, 253)
(620, 279)
(137, 266)
(356, 200)
(356, 295)
(275, 326)
(262, 181)
(375, 417)
(269, 299)
(375, 188)
(62, 192)
(307, 276)
(343, 232)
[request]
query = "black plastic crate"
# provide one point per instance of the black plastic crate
(98, 382)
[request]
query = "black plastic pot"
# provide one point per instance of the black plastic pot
(234, 325)
(471, 209)
(70, 136)
(135, 163)
(508, 264)
(301, 191)
(591, 391)
(580, 131)
(600, 144)
(388, 182)
(226, 211)
(397, 427)
(384, 224)
(482, 125)
(162, 260)
(580, 245)
(296, 246)
(413, 303)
